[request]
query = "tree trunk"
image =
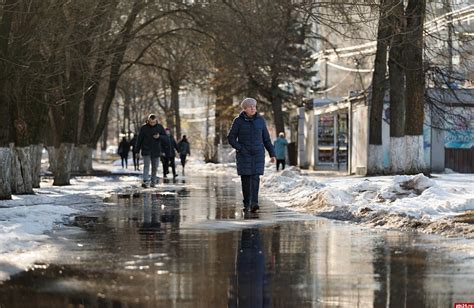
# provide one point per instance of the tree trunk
(375, 159)
(398, 155)
(224, 113)
(83, 155)
(36, 154)
(101, 23)
(175, 106)
(90, 96)
(5, 120)
(5, 70)
(5, 173)
(375, 153)
(82, 159)
(115, 66)
(397, 87)
(169, 119)
(75, 159)
(62, 168)
(51, 158)
(415, 86)
(277, 109)
(66, 118)
(415, 157)
(21, 177)
(126, 119)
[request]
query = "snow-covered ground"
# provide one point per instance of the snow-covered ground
(429, 205)
(27, 221)
(433, 205)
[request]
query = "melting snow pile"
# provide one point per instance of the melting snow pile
(289, 186)
(396, 201)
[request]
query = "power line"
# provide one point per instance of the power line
(433, 26)
(349, 69)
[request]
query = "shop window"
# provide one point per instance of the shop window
(326, 130)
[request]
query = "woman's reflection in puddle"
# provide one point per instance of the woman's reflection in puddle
(250, 283)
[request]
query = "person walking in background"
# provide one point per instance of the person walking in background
(135, 155)
(148, 142)
(249, 136)
(280, 150)
(184, 149)
(123, 149)
(169, 146)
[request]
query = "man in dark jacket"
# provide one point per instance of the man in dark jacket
(148, 142)
(249, 137)
(169, 145)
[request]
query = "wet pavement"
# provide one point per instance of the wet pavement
(187, 244)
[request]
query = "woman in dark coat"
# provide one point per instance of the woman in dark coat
(169, 145)
(249, 137)
(123, 149)
(184, 149)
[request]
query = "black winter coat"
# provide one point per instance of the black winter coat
(250, 137)
(133, 143)
(184, 148)
(146, 143)
(169, 145)
(123, 148)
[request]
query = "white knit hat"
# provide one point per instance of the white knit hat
(247, 102)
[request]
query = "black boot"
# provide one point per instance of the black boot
(254, 208)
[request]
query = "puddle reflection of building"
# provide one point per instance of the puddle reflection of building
(249, 287)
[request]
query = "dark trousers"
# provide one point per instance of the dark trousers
(183, 160)
(124, 161)
(282, 162)
(136, 161)
(168, 162)
(250, 187)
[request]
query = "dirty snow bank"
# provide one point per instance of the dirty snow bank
(402, 202)
(27, 221)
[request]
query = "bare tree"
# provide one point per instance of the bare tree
(415, 86)
(375, 153)
(264, 45)
(5, 136)
(140, 17)
(27, 91)
(397, 65)
(179, 59)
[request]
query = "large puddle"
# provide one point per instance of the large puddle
(186, 244)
